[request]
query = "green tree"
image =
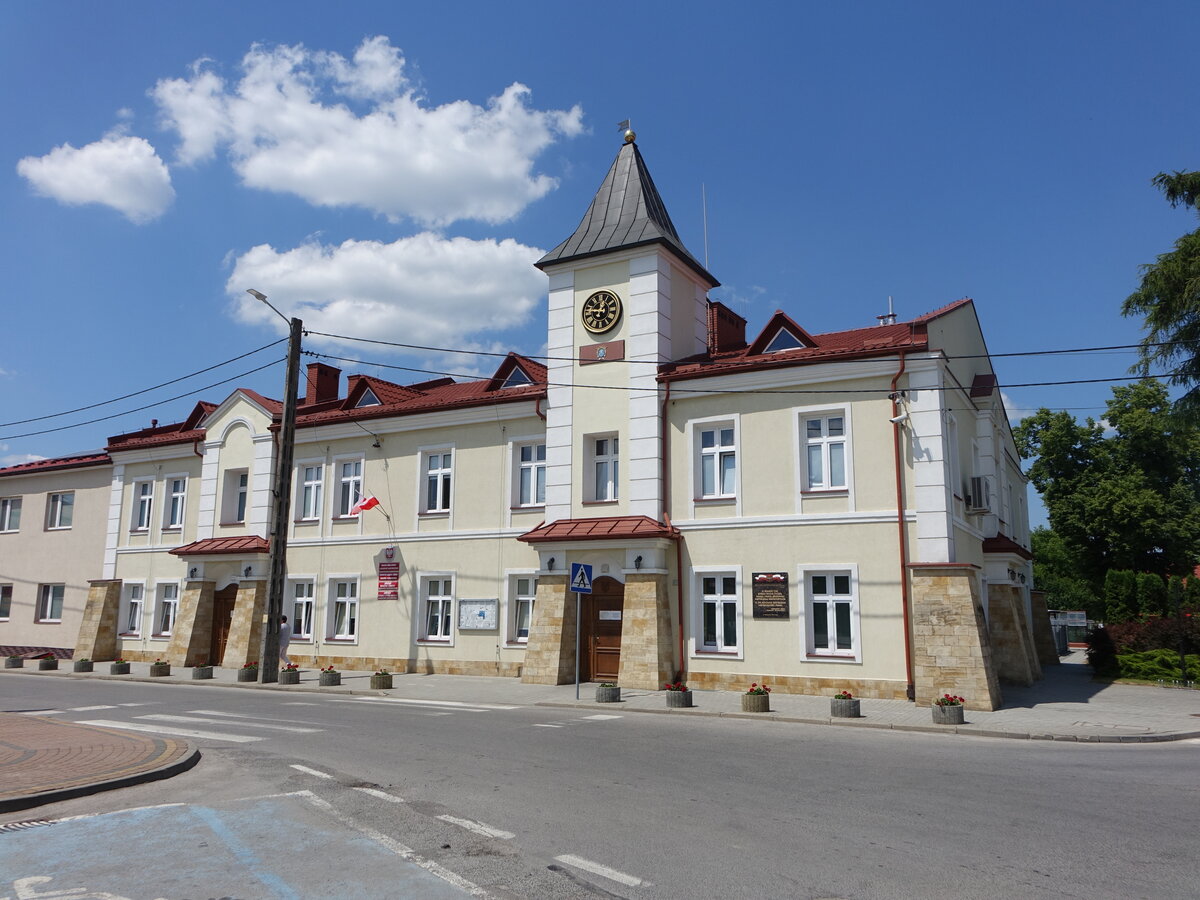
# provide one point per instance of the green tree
(1168, 300)
(1125, 499)
(1151, 594)
(1120, 596)
(1055, 572)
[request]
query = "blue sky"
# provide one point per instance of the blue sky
(391, 170)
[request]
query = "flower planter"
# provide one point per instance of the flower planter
(158, 670)
(948, 715)
(83, 665)
(608, 693)
(47, 665)
(756, 703)
(247, 674)
(289, 676)
(202, 672)
(14, 662)
(331, 679)
(679, 699)
(844, 709)
(381, 682)
(118, 668)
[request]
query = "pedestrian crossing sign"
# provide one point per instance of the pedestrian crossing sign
(581, 578)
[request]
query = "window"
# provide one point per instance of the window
(5, 600)
(60, 510)
(302, 610)
(718, 461)
(345, 611)
(783, 340)
(524, 590)
(531, 474)
(168, 607)
(831, 613)
(243, 490)
(349, 486)
(439, 599)
(720, 612)
(368, 399)
(605, 455)
(50, 602)
(517, 378)
(311, 478)
(176, 502)
(826, 453)
(10, 514)
(235, 496)
(143, 504)
(438, 470)
(132, 619)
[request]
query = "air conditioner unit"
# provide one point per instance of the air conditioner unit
(979, 494)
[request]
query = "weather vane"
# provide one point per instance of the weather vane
(630, 137)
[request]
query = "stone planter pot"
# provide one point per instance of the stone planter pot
(844, 709)
(289, 676)
(381, 682)
(48, 665)
(158, 670)
(201, 672)
(331, 679)
(14, 662)
(756, 703)
(608, 693)
(83, 665)
(948, 715)
(247, 674)
(118, 669)
(679, 699)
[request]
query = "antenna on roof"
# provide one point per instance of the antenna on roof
(889, 317)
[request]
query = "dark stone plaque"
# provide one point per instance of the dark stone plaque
(769, 595)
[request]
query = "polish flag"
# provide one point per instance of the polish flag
(364, 504)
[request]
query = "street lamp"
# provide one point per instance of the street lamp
(282, 506)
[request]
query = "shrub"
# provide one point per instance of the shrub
(1157, 665)
(1101, 653)
(1120, 595)
(1151, 594)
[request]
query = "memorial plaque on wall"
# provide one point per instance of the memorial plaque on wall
(389, 581)
(769, 595)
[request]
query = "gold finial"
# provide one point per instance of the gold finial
(630, 136)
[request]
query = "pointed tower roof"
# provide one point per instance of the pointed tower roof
(626, 212)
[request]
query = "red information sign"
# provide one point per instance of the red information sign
(389, 581)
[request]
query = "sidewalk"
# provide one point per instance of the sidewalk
(43, 760)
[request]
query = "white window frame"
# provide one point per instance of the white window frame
(175, 502)
(442, 476)
(349, 485)
(6, 592)
(57, 503)
(446, 610)
(233, 495)
(593, 459)
(45, 601)
(10, 514)
(529, 472)
(807, 636)
(825, 442)
(354, 607)
(133, 595)
(699, 648)
(309, 491)
(518, 601)
(143, 505)
(166, 596)
(716, 453)
(295, 600)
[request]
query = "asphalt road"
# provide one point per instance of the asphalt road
(399, 799)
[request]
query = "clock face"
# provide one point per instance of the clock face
(601, 311)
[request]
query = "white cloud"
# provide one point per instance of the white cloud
(426, 289)
(16, 459)
(119, 170)
(397, 157)
(1016, 412)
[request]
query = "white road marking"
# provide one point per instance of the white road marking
(299, 703)
(307, 771)
(168, 729)
(479, 828)
(381, 795)
(407, 709)
(229, 715)
(400, 850)
(43, 712)
(112, 813)
(540, 725)
(457, 704)
(155, 703)
(162, 717)
(601, 717)
(89, 708)
(596, 869)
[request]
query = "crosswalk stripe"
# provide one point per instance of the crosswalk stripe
(314, 772)
(90, 708)
(479, 828)
(600, 717)
(540, 725)
(168, 729)
(456, 704)
(380, 795)
(229, 715)
(162, 717)
(416, 711)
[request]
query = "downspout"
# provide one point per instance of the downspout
(195, 448)
(665, 443)
(902, 530)
(537, 408)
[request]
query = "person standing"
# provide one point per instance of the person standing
(285, 638)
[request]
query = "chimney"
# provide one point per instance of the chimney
(323, 383)
(726, 329)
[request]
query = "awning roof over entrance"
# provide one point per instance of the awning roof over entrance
(247, 543)
(611, 528)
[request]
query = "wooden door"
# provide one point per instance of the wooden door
(223, 603)
(603, 617)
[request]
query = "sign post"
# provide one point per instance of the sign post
(581, 583)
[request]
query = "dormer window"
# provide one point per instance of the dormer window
(367, 399)
(517, 378)
(783, 340)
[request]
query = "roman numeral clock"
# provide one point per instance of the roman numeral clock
(600, 312)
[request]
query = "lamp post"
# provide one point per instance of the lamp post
(281, 507)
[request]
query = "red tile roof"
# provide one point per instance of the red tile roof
(249, 543)
(63, 462)
(609, 528)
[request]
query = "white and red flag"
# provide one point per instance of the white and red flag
(364, 504)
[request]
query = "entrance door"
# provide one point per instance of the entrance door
(603, 618)
(223, 602)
